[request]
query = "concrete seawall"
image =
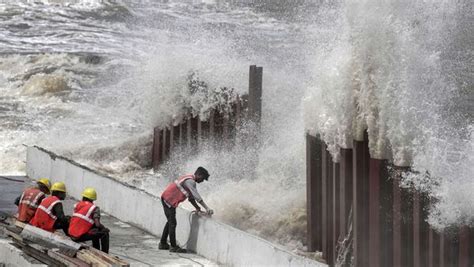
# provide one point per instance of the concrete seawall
(209, 238)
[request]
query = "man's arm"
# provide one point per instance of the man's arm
(196, 206)
(96, 218)
(59, 213)
(17, 201)
(209, 211)
(191, 186)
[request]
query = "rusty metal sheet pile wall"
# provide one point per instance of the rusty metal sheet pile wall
(221, 126)
(389, 223)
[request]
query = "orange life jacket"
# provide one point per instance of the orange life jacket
(81, 221)
(44, 217)
(29, 202)
(175, 192)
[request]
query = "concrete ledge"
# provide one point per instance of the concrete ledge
(48, 239)
(12, 256)
(214, 240)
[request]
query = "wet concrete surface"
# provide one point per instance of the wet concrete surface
(139, 247)
(126, 241)
(10, 188)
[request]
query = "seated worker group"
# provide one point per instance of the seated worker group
(46, 212)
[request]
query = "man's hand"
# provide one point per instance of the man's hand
(210, 212)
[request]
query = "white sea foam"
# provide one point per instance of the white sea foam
(397, 70)
(391, 70)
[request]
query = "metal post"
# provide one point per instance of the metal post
(212, 125)
(313, 192)
(327, 200)
(471, 247)
(416, 230)
(200, 133)
(166, 143)
(182, 133)
(324, 200)
(176, 137)
(464, 247)
(397, 225)
(225, 127)
(406, 223)
(205, 130)
(420, 230)
(380, 208)
(375, 166)
(238, 112)
(218, 127)
(172, 140)
(346, 189)
(433, 249)
(442, 245)
(451, 248)
(386, 215)
(189, 133)
(336, 213)
(330, 210)
(194, 132)
(156, 151)
(255, 93)
(360, 201)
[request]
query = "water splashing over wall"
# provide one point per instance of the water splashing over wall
(395, 70)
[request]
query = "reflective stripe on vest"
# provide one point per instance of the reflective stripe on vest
(49, 209)
(175, 192)
(86, 217)
(28, 204)
(44, 217)
(181, 188)
(22, 195)
(81, 221)
(34, 203)
(180, 181)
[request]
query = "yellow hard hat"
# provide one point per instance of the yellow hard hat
(89, 193)
(45, 182)
(59, 186)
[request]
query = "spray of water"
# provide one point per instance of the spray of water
(404, 73)
(104, 74)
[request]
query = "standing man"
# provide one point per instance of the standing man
(175, 193)
(50, 215)
(85, 222)
(30, 199)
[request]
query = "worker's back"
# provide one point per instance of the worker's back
(29, 202)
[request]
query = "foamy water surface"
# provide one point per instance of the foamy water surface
(90, 79)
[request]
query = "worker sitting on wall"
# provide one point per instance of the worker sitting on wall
(50, 215)
(175, 193)
(31, 198)
(85, 222)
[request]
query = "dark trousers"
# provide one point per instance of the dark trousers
(99, 237)
(170, 226)
(64, 225)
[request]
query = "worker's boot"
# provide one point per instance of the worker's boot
(163, 246)
(177, 249)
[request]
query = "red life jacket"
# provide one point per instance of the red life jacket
(29, 202)
(81, 221)
(175, 192)
(44, 217)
